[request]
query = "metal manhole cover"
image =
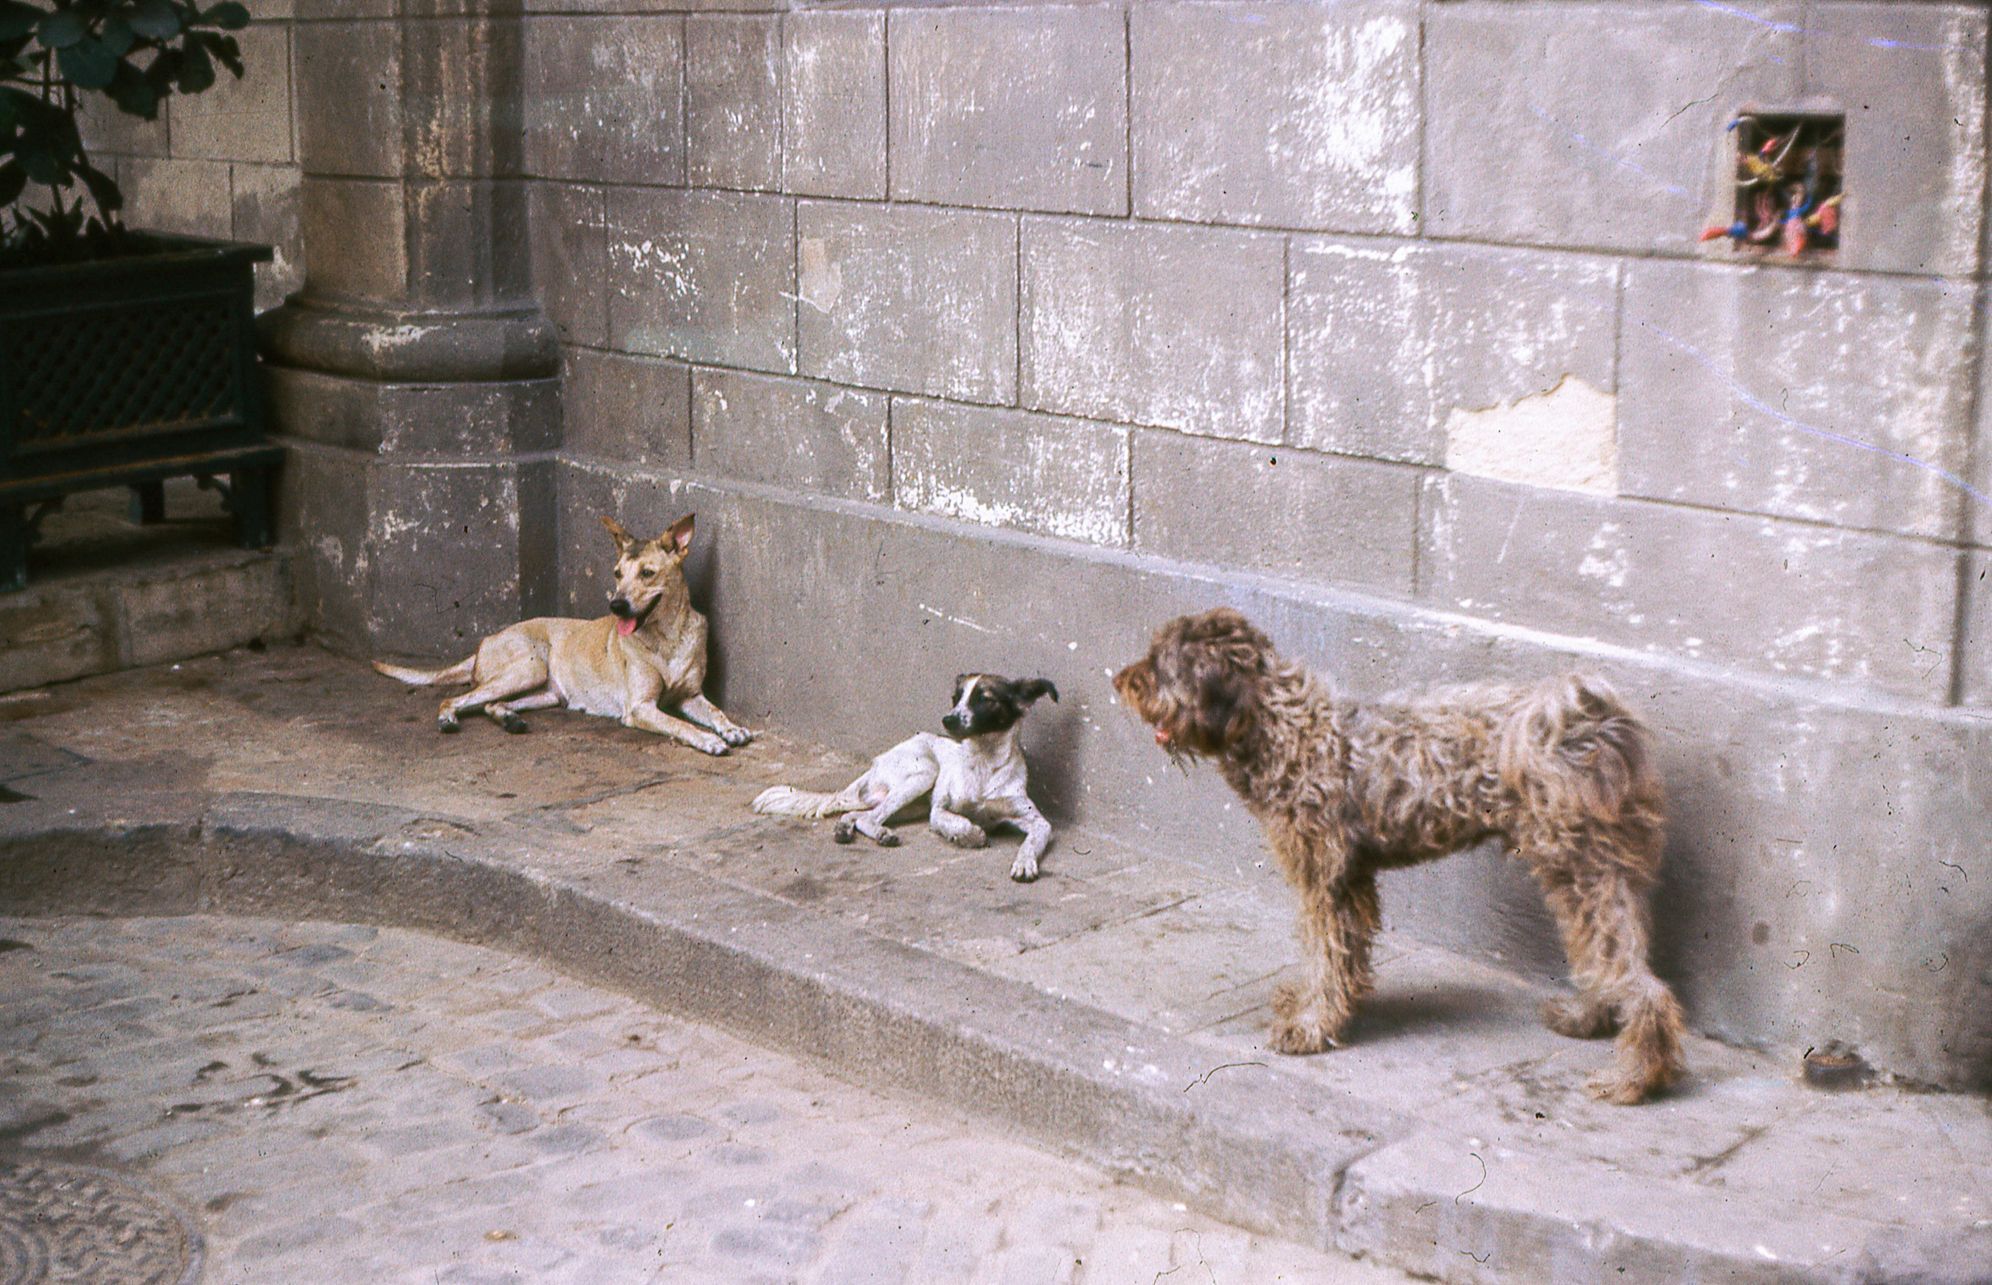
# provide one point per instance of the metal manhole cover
(69, 1222)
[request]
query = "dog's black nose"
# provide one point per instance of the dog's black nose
(619, 606)
(951, 721)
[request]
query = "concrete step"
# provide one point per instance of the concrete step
(106, 594)
(1114, 1010)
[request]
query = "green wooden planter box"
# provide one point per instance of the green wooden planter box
(127, 372)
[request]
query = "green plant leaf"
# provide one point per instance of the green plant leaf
(155, 20)
(62, 29)
(89, 65)
(117, 35)
(228, 15)
(17, 20)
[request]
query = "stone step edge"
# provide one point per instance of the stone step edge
(1275, 1155)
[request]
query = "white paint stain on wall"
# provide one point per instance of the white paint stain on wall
(1565, 438)
(1353, 119)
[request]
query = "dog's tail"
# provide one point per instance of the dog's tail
(1575, 737)
(457, 673)
(787, 801)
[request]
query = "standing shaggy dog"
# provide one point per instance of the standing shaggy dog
(1561, 771)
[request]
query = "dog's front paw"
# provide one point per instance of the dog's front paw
(513, 724)
(448, 726)
(887, 838)
(709, 744)
(735, 735)
(1024, 871)
(846, 831)
(969, 836)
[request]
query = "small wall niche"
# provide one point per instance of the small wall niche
(1785, 169)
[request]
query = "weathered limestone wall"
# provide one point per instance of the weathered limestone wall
(222, 164)
(988, 337)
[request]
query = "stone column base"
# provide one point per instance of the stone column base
(423, 514)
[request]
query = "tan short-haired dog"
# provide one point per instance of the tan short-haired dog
(648, 655)
(1561, 771)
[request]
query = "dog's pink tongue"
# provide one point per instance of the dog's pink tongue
(1162, 737)
(626, 625)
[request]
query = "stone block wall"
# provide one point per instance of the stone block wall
(221, 164)
(987, 337)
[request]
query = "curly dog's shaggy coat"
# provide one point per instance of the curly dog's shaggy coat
(1561, 771)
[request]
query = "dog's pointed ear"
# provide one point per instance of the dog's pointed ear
(1030, 690)
(679, 538)
(622, 538)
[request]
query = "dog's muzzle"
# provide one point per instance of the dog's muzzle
(953, 725)
(627, 617)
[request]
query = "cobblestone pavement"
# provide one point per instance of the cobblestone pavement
(340, 1103)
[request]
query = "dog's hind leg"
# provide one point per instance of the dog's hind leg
(1586, 1015)
(872, 821)
(1338, 923)
(1606, 932)
(507, 712)
(505, 683)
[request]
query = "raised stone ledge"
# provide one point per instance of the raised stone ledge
(1451, 1139)
(1777, 831)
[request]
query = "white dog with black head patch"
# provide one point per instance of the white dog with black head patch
(976, 774)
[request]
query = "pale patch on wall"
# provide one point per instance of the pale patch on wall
(822, 280)
(1565, 438)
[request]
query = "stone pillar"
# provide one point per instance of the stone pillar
(414, 374)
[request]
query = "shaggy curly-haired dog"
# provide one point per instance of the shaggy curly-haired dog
(1561, 771)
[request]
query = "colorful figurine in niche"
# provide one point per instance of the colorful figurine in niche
(1787, 184)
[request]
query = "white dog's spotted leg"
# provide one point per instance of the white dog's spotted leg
(956, 829)
(1037, 837)
(706, 714)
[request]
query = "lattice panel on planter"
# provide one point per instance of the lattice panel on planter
(119, 369)
(127, 371)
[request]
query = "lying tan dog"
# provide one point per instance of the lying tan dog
(646, 656)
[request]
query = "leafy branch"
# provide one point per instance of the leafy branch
(136, 53)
